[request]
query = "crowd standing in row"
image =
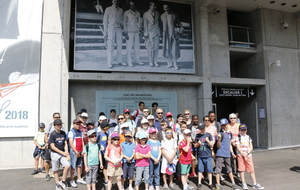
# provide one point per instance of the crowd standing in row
(118, 147)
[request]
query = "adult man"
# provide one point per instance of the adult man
(154, 107)
(159, 118)
(132, 27)
(171, 27)
(112, 24)
(145, 115)
(48, 130)
(59, 153)
(152, 32)
(137, 114)
(83, 127)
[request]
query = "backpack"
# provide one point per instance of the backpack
(136, 114)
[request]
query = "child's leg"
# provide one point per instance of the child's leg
(105, 174)
(171, 178)
(93, 186)
(157, 174)
(119, 182)
(241, 163)
(78, 169)
(164, 179)
(218, 169)
(72, 171)
(199, 176)
(151, 172)
(146, 177)
(184, 180)
(138, 178)
(88, 186)
(242, 174)
(36, 163)
(209, 175)
(109, 184)
(131, 173)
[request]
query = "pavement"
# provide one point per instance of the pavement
(275, 169)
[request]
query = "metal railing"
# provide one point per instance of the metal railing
(240, 37)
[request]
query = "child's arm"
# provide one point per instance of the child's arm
(159, 153)
(85, 162)
(250, 147)
(219, 140)
(188, 145)
(131, 157)
(37, 144)
(210, 142)
(100, 158)
(231, 151)
(73, 147)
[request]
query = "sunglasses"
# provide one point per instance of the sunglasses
(169, 116)
(57, 117)
(144, 139)
(84, 117)
(160, 113)
(127, 112)
(116, 139)
(187, 114)
(243, 129)
(206, 120)
(233, 118)
(121, 118)
(169, 133)
(188, 135)
(92, 136)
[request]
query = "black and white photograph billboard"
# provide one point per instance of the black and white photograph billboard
(133, 36)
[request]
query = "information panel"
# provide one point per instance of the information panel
(20, 37)
(120, 100)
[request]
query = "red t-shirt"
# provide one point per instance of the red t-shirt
(185, 157)
(114, 153)
(84, 131)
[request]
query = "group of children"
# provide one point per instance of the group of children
(150, 153)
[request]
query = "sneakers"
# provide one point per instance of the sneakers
(151, 188)
(222, 178)
(47, 178)
(105, 183)
(190, 187)
(244, 186)
(58, 187)
(43, 170)
(35, 172)
(156, 188)
(81, 181)
(193, 174)
(211, 186)
(73, 184)
(130, 188)
(62, 184)
(172, 186)
(218, 186)
(166, 186)
(199, 187)
(257, 186)
(234, 187)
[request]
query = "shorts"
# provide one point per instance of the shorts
(47, 155)
(58, 159)
(205, 163)
(91, 175)
(39, 153)
(114, 171)
(128, 170)
(245, 164)
(219, 163)
(185, 169)
(75, 162)
(164, 165)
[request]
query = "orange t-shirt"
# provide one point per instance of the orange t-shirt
(122, 138)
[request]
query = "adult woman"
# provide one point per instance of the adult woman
(170, 119)
(130, 121)
(179, 119)
(187, 116)
(233, 126)
(213, 122)
(210, 128)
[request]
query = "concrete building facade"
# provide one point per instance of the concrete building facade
(220, 61)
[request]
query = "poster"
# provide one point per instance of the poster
(20, 38)
(124, 36)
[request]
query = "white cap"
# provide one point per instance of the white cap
(123, 125)
(150, 117)
(84, 114)
(102, 117)
(187, 131)
(144, 121)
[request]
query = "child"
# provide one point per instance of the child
(204, 142)
(102, 138)
(76, 147)
(114, 155)
(39, 151)
(162, 133)
(92, 156)
(59, 153)
(154, 160)
(128, 149)
(168, 146)
(142, 155)
(124, 128)
(186, 157)
(144, 129)
(224, 153)
(244, 148)
(180, 137)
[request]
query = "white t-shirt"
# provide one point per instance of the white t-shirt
(137, 116)
(168, 146)
(244, 143)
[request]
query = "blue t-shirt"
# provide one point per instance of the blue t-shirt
(102, 138)
(154, 147)
(128, 149)
(204, 150)
(93, 154)
(58, 139)
(224, 150)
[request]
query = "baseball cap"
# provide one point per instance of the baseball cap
(223, 121)
(90, 132)
(57, 122)
(128, 134)
(169, 114)
(202, 126)
(84, 115)
(152, 130)
(41, 124)
(150, 117)
(126, 110)
(142, 135)
(77, 121)
(114, 135)
(144, 121)
(123, 125)
(187, 131)
(243, 126)
(171, 168)
(102, 117)
(104, 124)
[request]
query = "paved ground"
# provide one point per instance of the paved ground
(275, 169)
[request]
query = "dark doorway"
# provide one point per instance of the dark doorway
(224, 106)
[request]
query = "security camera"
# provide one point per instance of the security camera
(217, 11)
(285, 25)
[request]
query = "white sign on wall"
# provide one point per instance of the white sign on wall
(20, 38)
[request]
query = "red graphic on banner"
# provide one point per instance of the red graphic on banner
(6, 89)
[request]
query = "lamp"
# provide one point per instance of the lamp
(277, 63)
